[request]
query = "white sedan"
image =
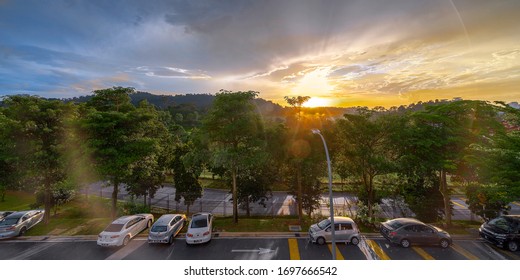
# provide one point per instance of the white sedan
(120, 231)
(200, 228)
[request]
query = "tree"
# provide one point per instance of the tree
(458, 125)
(299, 147)
(363, 152)
(189, 158)
(148, 173)
(40, 137)
(8, 176)
(114, 133)
(234, 132)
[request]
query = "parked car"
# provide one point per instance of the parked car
(200, 228)
(120, 231)
(17, 223)
(166, 228)
(4, 214)
(408, 231)
(503, 231)
(345, 230)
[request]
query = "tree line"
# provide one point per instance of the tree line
(415, 156)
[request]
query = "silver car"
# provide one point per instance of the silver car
(345, 230)
(17, 223)
(166, 228)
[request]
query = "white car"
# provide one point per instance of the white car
(120, 231)
(166, 228)
(200, 228)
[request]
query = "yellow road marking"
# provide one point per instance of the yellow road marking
(294, 252)
(339, 256)
(382, 255)
(458, 204)
(423, 253)
(463, 252)
(516, 203)
(511, 255)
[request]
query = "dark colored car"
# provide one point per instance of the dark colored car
(407, 231)
(503, 231)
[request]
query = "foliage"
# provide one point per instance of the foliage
(40, 132)
(488, 201)
(234, 132)
(363, 150)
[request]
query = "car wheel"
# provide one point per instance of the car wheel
(22, 231)
(405, 243)
(445, 243)
(320, 240)
(149, 224)
(512, 246)
(126, 240)
(170, 240)
(354, 241)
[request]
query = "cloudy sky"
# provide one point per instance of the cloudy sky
(342, 53)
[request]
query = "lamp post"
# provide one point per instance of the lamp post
(333, 231)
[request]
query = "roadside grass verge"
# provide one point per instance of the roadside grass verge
(17, 201)
(259, 224)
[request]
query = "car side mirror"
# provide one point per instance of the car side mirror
(328, 230)
(24, 219)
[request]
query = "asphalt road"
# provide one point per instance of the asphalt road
(281, 203)
(247, 248)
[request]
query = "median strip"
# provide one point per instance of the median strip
(463, 252)
(294, 252)
(423, 253)
(339, 256)
(380, 253)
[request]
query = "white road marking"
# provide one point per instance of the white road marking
(125, 251)
(26, 254)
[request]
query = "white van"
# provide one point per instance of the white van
(345, 230)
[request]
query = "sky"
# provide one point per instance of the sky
(341, 53)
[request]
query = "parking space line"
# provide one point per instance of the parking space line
(458, 204)
(423, 253)
(463, 252)
(294, 252)
(380, 253)
(339, 256)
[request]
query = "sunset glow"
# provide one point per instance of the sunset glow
(350, 53)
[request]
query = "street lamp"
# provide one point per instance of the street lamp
(333, 231)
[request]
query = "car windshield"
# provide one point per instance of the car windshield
(199, 223)
(324, 224)
(114, 228)
(394, 224)
(9, 222)
(500, 223)
(159, 228)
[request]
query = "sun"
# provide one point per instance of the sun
(317, 102)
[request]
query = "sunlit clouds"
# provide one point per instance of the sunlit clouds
(342, 53)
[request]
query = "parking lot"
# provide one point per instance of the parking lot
(247, 248)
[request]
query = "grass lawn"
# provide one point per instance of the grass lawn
(17, 200)
(78, 217)
(461, 227)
